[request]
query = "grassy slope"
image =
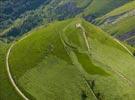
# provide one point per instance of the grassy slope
(127, 7)
(122, 26)
(99, 8)
(7, 92)
(106, 51)
(37, 66)
(42, 67)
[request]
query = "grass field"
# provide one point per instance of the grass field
(53, 63)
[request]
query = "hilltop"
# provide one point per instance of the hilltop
(57, 62)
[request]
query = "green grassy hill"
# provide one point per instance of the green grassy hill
(46, 11)
(120, 22)
(55, 63)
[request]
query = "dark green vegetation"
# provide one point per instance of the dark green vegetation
(12, 9)
(7, 91)
(20, 16)
(53, 63)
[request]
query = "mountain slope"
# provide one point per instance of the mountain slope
(56, 62)
(120, 22)
(50, 10)
(99, 8)
(12, 9)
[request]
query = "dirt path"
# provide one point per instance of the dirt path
(123, 46)
(9, 72)
(10, 75)
(84, 35)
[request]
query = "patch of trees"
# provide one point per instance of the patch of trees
(92, 85)
(84, 95)
(10, 10)
(67, 10)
